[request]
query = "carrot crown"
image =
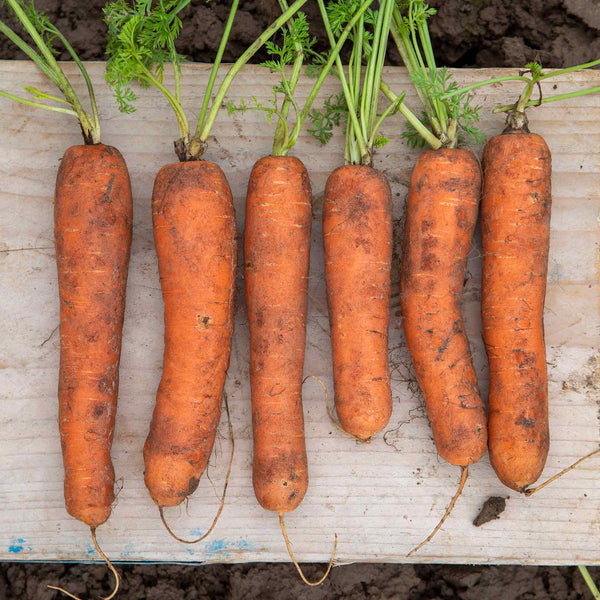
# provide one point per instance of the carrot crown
(141, 40)
(44, 34)
(357, 105)
(449, 118)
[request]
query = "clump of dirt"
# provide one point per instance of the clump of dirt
(492, 508)
(475, 33)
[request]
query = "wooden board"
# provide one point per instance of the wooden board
(382, 498)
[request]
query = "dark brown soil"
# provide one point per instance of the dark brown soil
(280, 582)
(492, 508)
(480, 33)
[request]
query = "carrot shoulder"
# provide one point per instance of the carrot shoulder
(93, 222)
(357, 233)
(194, 232)
(276, 263)
(515, 230)
(440, 219)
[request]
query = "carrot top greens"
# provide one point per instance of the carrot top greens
(447, 111)
(533, 77)
(357, 105)
(141, 41)
(295, 47)
(44, 34)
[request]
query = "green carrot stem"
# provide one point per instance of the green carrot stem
(555, 73)
(58, 109)
(524, 97)
(61, 81)
(95, 133)
(371, 87)
(46, 62)
(281, 139)
(357, 58)
(202, 136)
(587, 65)
(479, 84)
(429, 137)
(391, 108)
(215, 68)
(589, 581)
(182, 121)
(40, 95)
(439, 106)
(546, 99)
(177, 77)
(402, 40)
(29, 51)
(358, 17)
(173, 52)
(359, 139)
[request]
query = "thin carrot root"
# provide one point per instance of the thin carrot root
(530, 491)
(332, 416)
(289, 549)
(464, 473)
(108, 563)
(222, 503)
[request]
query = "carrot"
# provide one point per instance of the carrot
(92, 229)
(357, 234)
(515, 220)
(357, 227)
(276, 263)
(194, 232)
(440, 218)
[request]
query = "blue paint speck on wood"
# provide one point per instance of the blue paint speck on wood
(17, 546)
(217, 545)
(224, 547)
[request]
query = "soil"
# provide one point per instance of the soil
(492, 508)
(281, 582)
(474, 33)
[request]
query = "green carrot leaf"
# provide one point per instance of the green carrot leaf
(141, 39)
(334, 113)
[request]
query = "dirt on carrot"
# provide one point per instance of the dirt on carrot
(441, 214)
(195, 236)
(93, 223)
(357, 233)
(515, 222)
(276, 263)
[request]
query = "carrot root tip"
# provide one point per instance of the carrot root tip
(298, 568)
(108, 564)
(464, 473)
(222, 501)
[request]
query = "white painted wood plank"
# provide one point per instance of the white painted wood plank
(381, 499)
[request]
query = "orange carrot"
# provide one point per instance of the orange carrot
(93, 221)
(357, 232)
(276, 263)
(515, 229)
(440, 219)
(194, 232)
